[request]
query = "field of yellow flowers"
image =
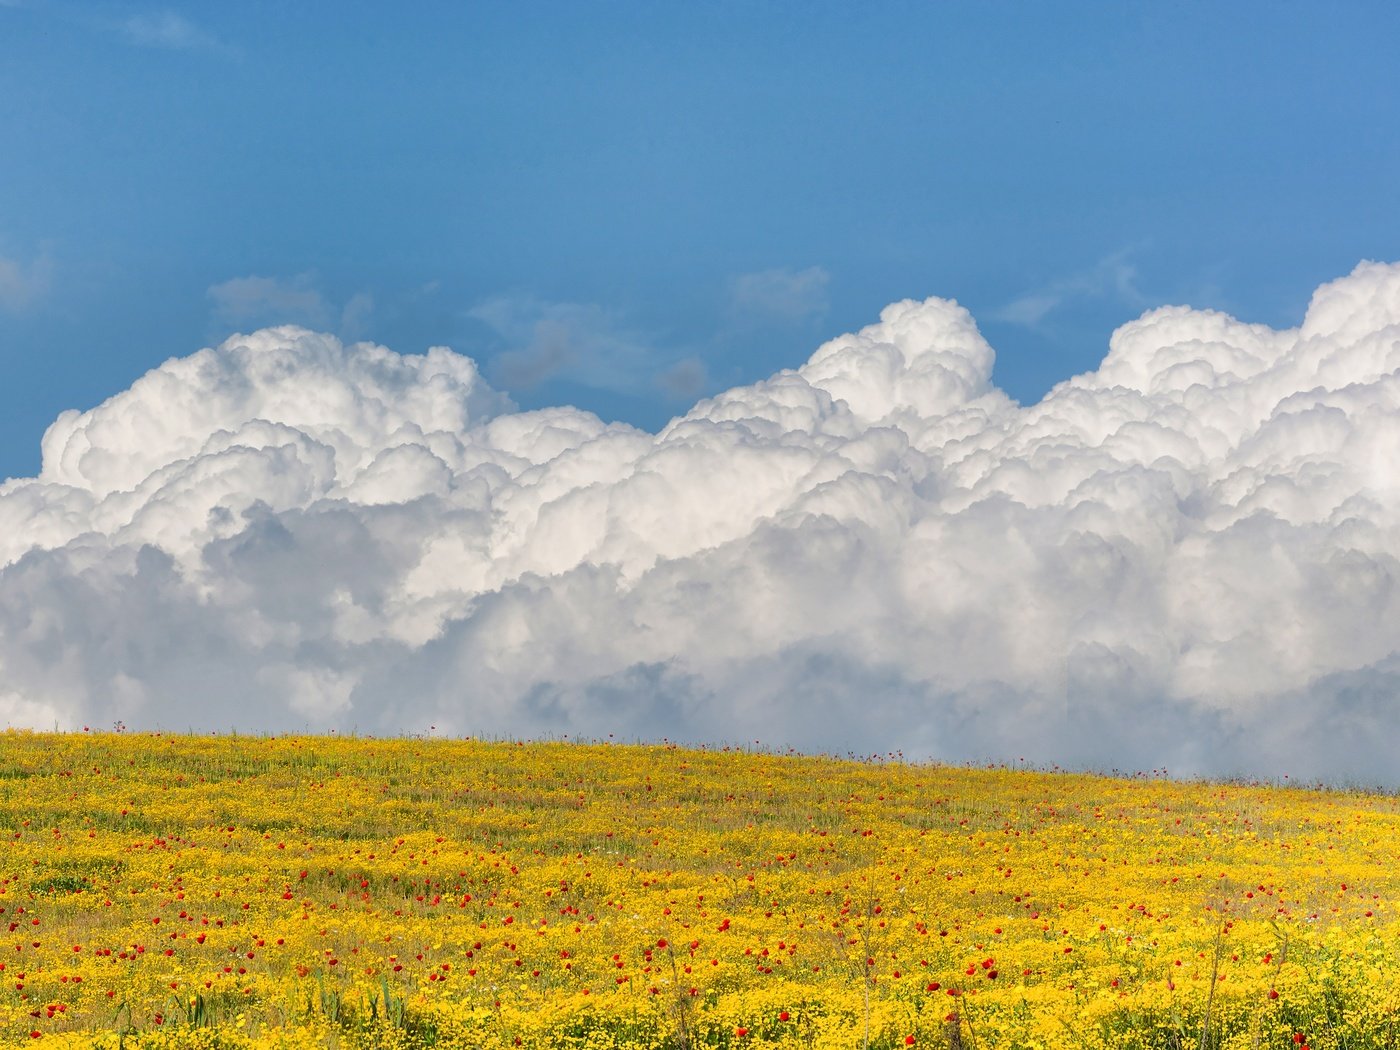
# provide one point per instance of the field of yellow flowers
(201, 892)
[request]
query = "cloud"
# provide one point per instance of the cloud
(1113, 276)
(684, 380)
(582, 342)
(254, 301)
(264, 300)
(23, 283)
(1188, 558)
(356, 315)
(781, 295)
(169, 30)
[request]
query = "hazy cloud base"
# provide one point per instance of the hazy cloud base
(1185, 558)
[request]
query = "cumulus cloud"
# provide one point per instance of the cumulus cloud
(1188, 557)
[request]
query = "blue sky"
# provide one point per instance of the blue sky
(625, 206)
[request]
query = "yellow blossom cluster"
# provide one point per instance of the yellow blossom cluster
(212, 892)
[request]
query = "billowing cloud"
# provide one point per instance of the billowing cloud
(1188, 557)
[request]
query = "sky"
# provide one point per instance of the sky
(988, 381)
(625, 206)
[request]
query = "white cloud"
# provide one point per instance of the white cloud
(1189, 557)
(784, 295)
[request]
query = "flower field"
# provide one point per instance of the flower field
(182, 891)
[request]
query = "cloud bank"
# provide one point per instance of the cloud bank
(1185, 558)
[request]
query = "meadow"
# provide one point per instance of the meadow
(214, 891)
